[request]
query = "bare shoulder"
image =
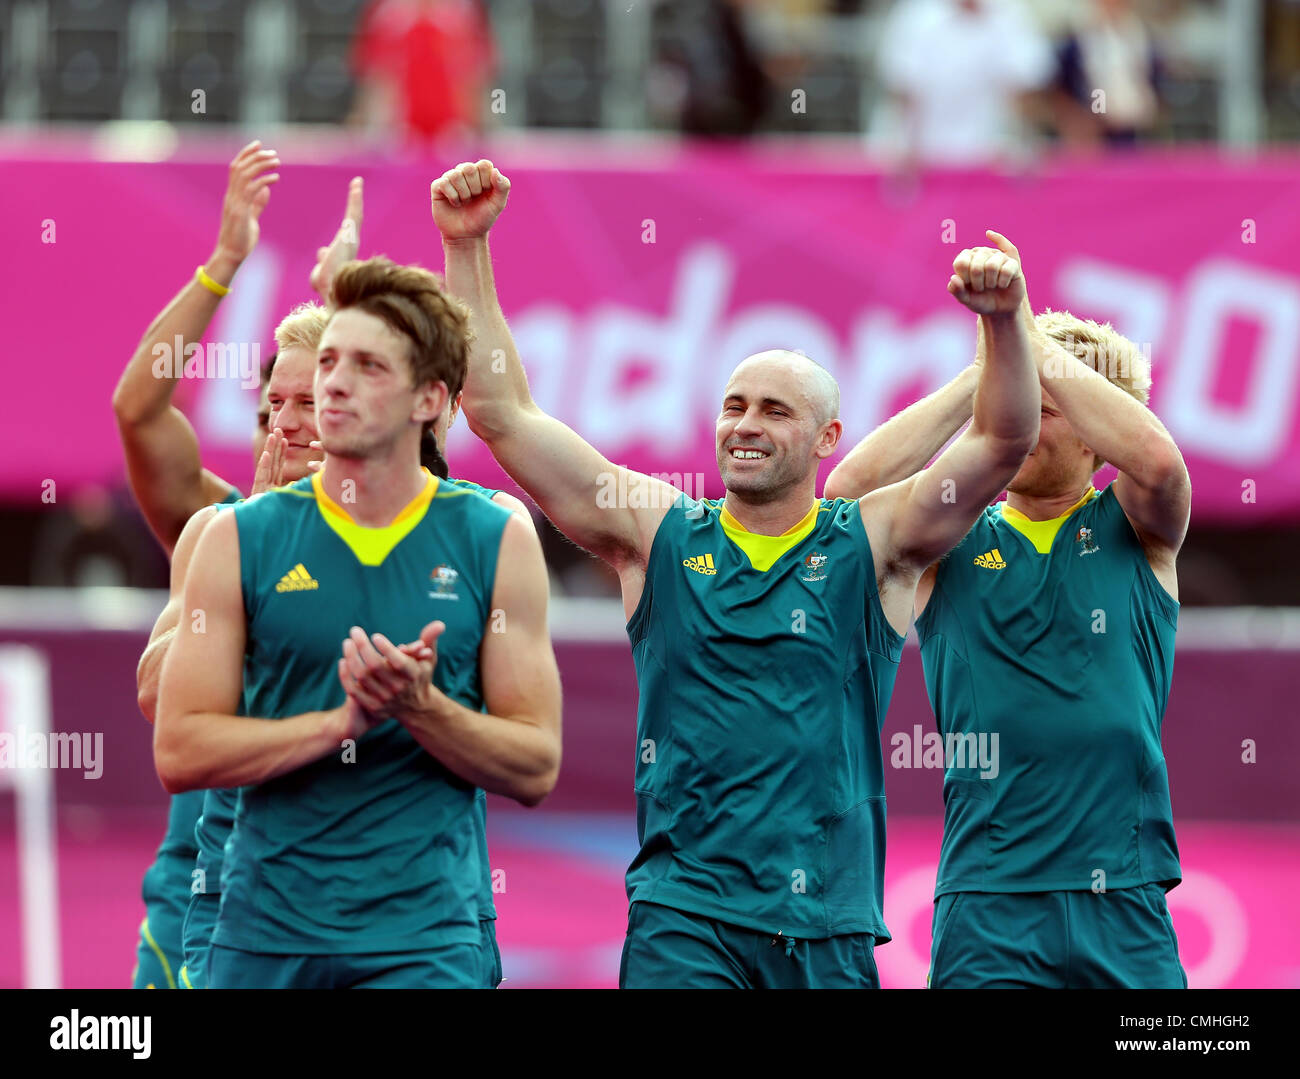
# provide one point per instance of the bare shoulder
(515, 506)
(217, 534)
(520, 558)
(895, 575)
(522, 581)
(188, 541)
(199, 520)
(879, 510)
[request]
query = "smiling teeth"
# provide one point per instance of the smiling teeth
(748, 455)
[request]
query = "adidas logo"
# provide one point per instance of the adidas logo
(701, 564)
(990, 560)
(297, 580)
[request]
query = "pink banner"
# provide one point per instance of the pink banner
(563, 910)
(633, 288)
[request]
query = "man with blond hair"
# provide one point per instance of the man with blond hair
(1048, 632)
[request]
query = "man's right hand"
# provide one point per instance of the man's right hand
(348, 720)
(355, 719)
(343, 248)
(988, 280)
(468, 199)
(247, 194)
(270, 466)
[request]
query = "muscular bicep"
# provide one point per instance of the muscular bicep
(925, 516)
(606, 509)
(520, 678)
(203, 671)
(182, 556)
(1159, 513)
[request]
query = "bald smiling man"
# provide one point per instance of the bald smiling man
(766, 627)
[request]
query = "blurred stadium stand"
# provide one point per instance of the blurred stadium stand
(1232, 70)
(1230, 74)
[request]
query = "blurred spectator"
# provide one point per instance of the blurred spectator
(422, 66)
(1281, 32)
(957, 71)
(96, 539)
(1106, 76)
(708, 75)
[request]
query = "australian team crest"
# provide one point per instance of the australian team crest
(443, 579)
(1087, 545)
(814, 567)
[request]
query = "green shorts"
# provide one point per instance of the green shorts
(1055, 940)
(456, 966)
(196, 936)
(672, 949)
(158, 952)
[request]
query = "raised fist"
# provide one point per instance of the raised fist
(989, 280)
(468, 199)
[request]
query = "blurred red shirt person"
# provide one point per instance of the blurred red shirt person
(423, 64)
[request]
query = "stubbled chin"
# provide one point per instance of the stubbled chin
(753, 483)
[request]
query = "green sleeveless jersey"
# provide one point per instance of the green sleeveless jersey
(377, 848)
(1049, 674)
(759, 776)
(218, 816)
(178, 846)
(486, 908)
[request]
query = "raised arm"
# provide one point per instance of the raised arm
(914, 523)
(904, 444)
(199, 741)
(609, 510)
(162, 452)
(345, 245)
(513, 748)
(1153, 486)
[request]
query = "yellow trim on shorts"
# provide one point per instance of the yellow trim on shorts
(186, 978)
(153, 944)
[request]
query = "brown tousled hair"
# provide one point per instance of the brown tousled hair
(412, 302)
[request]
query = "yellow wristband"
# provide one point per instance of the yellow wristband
(215, 287)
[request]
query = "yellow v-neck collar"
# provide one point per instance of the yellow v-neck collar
(1042, 533)
(763, 551)
(373, 545)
